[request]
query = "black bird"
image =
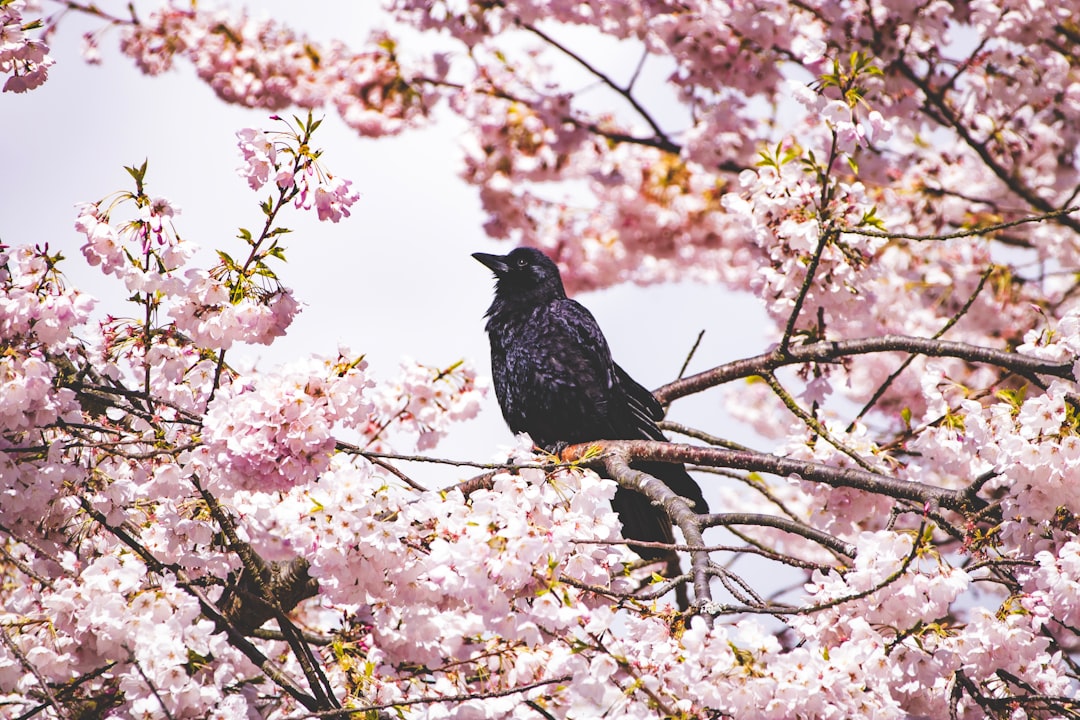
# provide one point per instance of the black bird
(556, 381)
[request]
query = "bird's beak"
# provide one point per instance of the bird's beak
(495, 263)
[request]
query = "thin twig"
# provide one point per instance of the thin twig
(690, 355)
(804, 290)
(815, 425)
(600, 75)
(883, 388)
(867, 232)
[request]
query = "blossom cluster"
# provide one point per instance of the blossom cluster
(305, 181)
(276, 430)
(37, 308)
(264, 64)
(23, 59)
(423, 401)
(37, 313)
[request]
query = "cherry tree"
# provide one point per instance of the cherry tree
(897, 183)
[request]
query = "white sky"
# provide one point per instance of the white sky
(393, 280)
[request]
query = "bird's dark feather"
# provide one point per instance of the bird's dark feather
(555, 380)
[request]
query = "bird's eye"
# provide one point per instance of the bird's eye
(522, 262)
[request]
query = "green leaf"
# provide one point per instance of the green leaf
(138, 174)
(871, 218)
(262, 270)
(1014, 397)
(227, 261)
(236, 293)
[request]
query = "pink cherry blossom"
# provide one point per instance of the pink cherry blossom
(276, 432)
(23, 58)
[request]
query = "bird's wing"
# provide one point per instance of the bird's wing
(587, 346)
(646, 410)
(631, 409)
(615, 406)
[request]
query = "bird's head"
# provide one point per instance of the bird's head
(525, 275)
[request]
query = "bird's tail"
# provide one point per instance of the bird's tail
(646, 522)
(643, 521)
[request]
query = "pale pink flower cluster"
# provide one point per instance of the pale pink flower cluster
(200, 302)
(102, 247)
(205, 312)
(259, 155)
(423, 401)
(924, 592)
(779, 215)
(897, 611)
(436, 570)
(275, 430)
(1035, 455)
(153, 45)
(843, 120)
(150, 234)
(36, 308)
(30, 399)
(1054, 586)
(314, 188)
(842, 511)
(713, 43)
(104, 609)
(23, 58)
(924, 670)
(328, 194)
(1057, 344)
(39, 313)
(370, 90)
(157, 228)
(262, 63)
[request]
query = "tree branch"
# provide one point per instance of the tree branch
(792, 526)
(236, 638)
(970, 232)
(624, 92)
(617, 465)
(955, 500)
(833, 351)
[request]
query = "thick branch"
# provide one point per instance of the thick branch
(833, 351)
(617, 465)
(257, 576)
(956, 500)
(287, 582)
